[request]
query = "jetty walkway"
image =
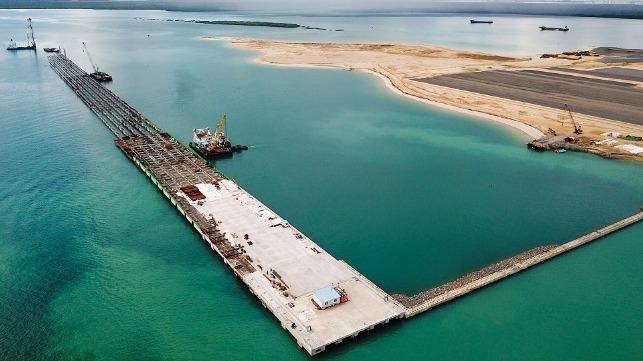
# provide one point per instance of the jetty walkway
(434, 297)
(280, 265)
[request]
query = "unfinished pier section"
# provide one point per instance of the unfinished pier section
(280, 265)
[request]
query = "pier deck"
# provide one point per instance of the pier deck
(278, 263)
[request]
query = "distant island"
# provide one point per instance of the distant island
(242, 23)
(235, 22)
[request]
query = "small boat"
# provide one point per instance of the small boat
(554, 28)
(560, 150)
(51, 50)
(101, 76)
(474, 21)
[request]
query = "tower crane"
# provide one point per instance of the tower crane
(97, 74)
(31, 40)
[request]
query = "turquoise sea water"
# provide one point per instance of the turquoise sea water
(95, 265)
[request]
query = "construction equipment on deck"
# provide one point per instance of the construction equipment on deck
(577, 128)
(97, 74)
(219, 132)
(214, 145)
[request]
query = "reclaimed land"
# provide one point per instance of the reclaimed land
(410, 69)
(597, 97)
(613, 73)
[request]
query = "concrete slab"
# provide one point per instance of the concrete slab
(289, 267)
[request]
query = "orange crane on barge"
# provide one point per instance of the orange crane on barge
(214, 145)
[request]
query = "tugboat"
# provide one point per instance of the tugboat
(214, 145)
(550, 28)
(31, 41)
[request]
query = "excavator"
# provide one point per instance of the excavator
(97, 74)
(577, 128)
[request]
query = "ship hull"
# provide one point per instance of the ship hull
(101, 77)
(219, 153)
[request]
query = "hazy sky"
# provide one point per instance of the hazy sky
(353, 4)
(552, 7)
(304, 4)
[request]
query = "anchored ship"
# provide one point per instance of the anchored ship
(550, 28)
(473, 21)
(214, 145)
(31, 41)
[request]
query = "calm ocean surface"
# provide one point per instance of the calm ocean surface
(95, 265)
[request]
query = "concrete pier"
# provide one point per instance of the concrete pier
(447, 292)
(279, 264)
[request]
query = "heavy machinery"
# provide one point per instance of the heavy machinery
(219, 132)
(31, 41)
(577, 128)
(214, 145)
(97, 74)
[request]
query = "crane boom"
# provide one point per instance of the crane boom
(577, 128)
(96, 69)
(31, 40)
(220, 129)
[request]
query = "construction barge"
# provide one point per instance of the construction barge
(212, 146)
(31, 40)
(318, 299)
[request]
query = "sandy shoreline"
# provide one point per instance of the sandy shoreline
(525, 131)
(401, 67)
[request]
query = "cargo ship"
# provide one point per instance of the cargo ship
(215, 145)
(553, 28)
(473, 21)
(31, 41)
